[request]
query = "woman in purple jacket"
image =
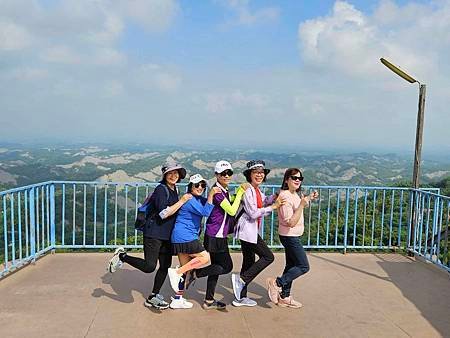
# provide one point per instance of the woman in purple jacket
(218, 226)
(255, 206)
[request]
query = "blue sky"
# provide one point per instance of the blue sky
(238, 72)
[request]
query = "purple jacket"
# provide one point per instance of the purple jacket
(218, 223)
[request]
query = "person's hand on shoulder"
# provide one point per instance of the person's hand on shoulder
(214, 190)
(186, 197)
(279, 202)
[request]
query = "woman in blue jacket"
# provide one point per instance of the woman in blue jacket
(186, 244)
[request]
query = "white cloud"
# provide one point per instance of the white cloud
(151, 76)
(108, 56)
(112, 29)
(153, 15)
(351, 42)
(13, 36)
(167, 81)
(28, 74)
(113, 88)
(244, 15)
(61, 54)
(235, 100)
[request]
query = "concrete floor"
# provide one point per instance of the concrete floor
(352, 295)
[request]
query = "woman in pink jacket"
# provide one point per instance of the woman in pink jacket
(255, 206)
(290, 228)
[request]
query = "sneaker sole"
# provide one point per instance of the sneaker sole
(214, 308)
(176, 308)
(148, 305)
(289, 306)
(109, 268)
(237, 304)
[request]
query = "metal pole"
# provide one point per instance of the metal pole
(419, 134)
(417, 157)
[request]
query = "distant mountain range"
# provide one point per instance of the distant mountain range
(20, 165)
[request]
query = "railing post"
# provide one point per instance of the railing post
(32, 211)
(52, 217)
(347, 198)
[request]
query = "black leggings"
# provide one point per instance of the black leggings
(154, 250)
(221, 264)
(250, 267)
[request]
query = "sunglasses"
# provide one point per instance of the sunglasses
(227, 172)
(200, 184)
(297, 178)
(258, 172)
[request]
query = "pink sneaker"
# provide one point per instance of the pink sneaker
(273, 290)
(289, 302)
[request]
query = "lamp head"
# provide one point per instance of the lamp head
(398, 71)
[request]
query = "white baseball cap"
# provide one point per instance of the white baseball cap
(222, 166)
(197, 178)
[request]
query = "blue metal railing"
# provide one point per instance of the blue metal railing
(28, 224)
(430, 228)
(99, 215)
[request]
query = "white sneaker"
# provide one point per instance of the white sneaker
(238, 285)
(174, 279)
(115, 262)
(180, 303)
(244, 302)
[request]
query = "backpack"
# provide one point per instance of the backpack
(145, 211)
(234, 221)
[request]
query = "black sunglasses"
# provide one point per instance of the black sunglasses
(227, 172)
(200, 184)
(296, 178)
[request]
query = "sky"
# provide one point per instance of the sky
(295, 74)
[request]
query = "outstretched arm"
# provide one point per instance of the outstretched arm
(231, 208)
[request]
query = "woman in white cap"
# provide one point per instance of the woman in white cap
(248, 228)
(164, 204)
(186, 244)
(219, 226)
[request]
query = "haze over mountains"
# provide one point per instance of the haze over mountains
(22, 165)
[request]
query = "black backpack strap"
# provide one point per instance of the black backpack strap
(167, 192)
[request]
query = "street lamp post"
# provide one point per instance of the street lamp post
(419, 134)
(420, 118)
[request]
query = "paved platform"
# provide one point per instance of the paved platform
(352, 295)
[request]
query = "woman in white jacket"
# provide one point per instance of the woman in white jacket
(255, 206)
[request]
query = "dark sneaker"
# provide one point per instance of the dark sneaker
(190, 279)
(214, 305)
(157, 301)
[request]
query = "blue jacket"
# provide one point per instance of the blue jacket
(187, 225)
